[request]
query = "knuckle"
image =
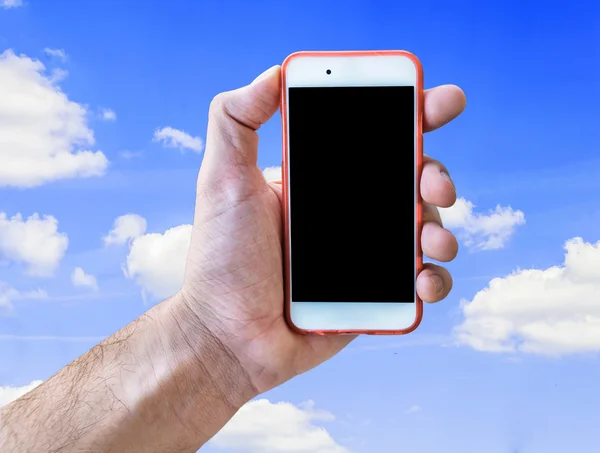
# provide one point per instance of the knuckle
(438, 217)
(432, 214)
(217, 103)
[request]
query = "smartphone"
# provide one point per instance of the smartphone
(352, 158)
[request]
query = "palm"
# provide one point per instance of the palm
(235, 270)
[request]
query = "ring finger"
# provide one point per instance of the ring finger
(437, 242)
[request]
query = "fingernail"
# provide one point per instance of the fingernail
(446, 176)
(437, 283)
(265, 74)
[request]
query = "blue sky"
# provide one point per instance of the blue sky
(511, 368)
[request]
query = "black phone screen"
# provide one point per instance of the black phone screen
(352, 193)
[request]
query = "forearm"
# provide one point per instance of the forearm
(163, 383)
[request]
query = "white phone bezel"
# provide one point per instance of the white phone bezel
(351, 70)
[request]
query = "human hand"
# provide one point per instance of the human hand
(172, 378)
(234, 276)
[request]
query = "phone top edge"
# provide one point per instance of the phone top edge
(350, 68)
(352, 53)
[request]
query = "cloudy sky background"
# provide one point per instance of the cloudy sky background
(103, 109)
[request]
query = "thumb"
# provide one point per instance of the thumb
(235, 116)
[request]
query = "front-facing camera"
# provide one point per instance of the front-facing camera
(328, 71)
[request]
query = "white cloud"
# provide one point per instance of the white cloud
(80, 278)
(414, 409)
(9, 394)
(126, 228)
(174, 138)
(34, 242)
(58, 75)
(489, 231)
(264, 427)
(8, 294)
(157, 261)
(42, 132)
(57, 53)
(272, 173)
(130, 154)
(11, 3)
(108, 115)
(554, 311)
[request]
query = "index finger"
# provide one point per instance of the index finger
(442, 105)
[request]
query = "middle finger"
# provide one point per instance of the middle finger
(436, 186)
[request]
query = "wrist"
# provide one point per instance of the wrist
(202, 354)
(205, 381)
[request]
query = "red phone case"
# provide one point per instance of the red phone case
(419, 88)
